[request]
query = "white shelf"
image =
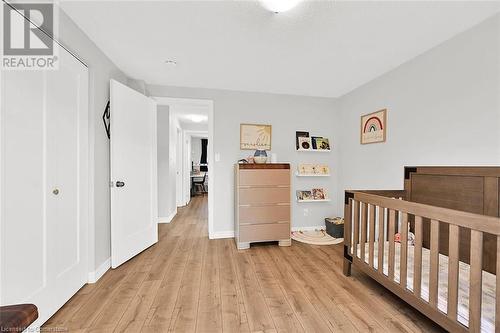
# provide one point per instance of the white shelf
(315, 150)
(322, 200)
(311, 175)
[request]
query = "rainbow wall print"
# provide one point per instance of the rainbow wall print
(373, 127)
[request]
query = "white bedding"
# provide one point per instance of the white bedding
(489, 280)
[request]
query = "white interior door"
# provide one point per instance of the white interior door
(134, 196)
(44, 185)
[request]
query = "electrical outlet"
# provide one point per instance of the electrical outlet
(306, 211)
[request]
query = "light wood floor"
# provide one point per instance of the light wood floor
(187, 283)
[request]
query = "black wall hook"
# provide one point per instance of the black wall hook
(106, 120)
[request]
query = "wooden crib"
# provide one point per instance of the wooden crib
(453, 213)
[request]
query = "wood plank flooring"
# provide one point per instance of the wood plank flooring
(188, 283)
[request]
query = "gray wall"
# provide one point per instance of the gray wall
(101, 70)
(443, 109)
(286, 114)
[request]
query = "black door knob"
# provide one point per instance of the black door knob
(120, 184)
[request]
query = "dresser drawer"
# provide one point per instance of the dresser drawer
(264, 232)
(264, 195)
(265, 177)
(264, 214)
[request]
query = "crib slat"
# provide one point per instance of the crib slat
(417, 257)
(476, 280)
(355, 221)
(453, 272)
(364, 213)
(392, 231)
(404, 250)
(434, 263)
(371, 244)
(497, 310)
(381, 239)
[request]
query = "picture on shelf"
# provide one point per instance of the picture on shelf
(305, 143)
(313, 169)
(304, 195)
(323, 169)
(300, 134)
(318, 194)
(305, 169)
(320, 143)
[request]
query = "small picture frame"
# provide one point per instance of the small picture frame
(318, 194)
(304, 195)
(305, 143)
(374, 127)
(320, 143)
(305, 169)
(300, 134)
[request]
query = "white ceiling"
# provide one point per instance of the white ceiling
(320, 48)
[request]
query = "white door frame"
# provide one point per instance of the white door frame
(209, 104)
(187, 161)
(179, 169)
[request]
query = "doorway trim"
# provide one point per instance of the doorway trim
(209, 104)
(190, 134)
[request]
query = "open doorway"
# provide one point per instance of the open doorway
(185, 155)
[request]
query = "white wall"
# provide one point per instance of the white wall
(101, 70)
(165, 208)
(195, 150)
(286, 114)
(443, 109)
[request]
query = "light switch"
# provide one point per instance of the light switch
(217, 157)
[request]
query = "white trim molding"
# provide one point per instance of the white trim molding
(209, 104)
(99, 272)
(222, 234)
(169, 218)
(316, 227)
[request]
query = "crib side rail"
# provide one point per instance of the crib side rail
(372, 218)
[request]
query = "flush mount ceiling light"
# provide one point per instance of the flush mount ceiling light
(197, 118)
(279, 6)
(171, 62)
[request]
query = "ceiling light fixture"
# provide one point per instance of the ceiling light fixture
(197, 118)
(171, 62)
(279, 6)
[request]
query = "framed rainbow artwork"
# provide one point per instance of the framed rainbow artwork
(374, 127)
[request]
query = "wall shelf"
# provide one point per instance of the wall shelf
(315, 150)
(322, 200)
(311, 175)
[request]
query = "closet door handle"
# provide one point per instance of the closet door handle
(120, 184)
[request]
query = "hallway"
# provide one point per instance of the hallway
(188, 283)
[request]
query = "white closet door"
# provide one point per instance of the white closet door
(134, 196)
(44, 185)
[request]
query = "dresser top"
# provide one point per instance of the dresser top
(264, 166)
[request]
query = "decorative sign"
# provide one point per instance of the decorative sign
(255, 137)
(373, 127)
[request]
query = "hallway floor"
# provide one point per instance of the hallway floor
(188, 283)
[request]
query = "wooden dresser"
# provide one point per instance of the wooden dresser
(262, 204)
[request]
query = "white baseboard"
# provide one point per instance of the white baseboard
(169, 218)
(99, 272)
(222, 234)
(316, 227)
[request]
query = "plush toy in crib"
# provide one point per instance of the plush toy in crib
(411, 238)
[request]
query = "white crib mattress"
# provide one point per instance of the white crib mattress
(488, 288)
